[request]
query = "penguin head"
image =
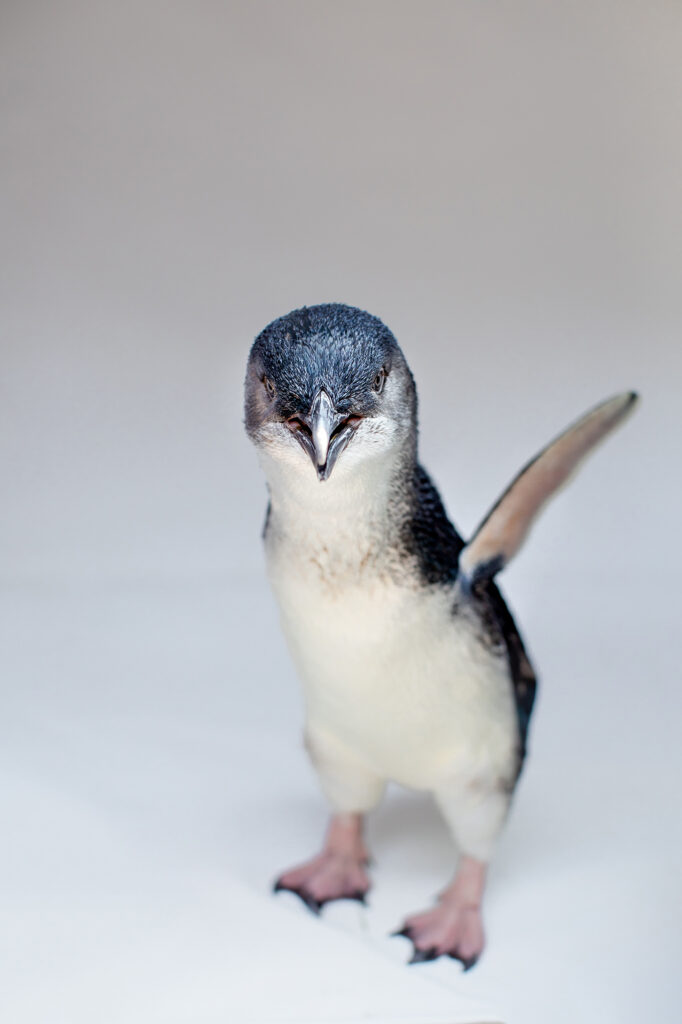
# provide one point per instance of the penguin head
(327, 388)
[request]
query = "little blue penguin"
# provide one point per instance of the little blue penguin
(412, 666)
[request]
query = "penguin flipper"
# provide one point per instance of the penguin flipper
(505, 528)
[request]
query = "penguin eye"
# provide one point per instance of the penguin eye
(378, 382)
(269, 387)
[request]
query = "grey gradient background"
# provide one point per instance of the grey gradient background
(500, 182)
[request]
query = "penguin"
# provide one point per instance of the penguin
(412, 666)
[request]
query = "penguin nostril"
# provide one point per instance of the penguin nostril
(296, 425)
(350, 421)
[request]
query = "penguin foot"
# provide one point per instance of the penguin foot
(446, 930)
(330, 876)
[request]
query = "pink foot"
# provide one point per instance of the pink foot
(454, 926)
(446, 931)
(338, 873)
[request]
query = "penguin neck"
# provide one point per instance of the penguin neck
(360, 509)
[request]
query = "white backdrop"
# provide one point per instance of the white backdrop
(500, 183)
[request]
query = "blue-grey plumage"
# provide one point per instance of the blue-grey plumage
(412, 667)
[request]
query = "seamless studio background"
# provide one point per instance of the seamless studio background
(499, 182)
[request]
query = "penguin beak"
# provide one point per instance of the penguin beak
(323, 433)
(322, 420)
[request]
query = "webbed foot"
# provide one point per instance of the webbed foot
(338, 873)
(453, 927)
(445, 931)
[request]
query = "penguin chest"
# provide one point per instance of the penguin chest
(390, 672)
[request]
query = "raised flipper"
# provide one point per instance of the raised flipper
(506, 526)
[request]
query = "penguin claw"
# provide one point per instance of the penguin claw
(420, 956)
(315, 905)
(467, 962)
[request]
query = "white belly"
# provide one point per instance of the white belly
(390, 673)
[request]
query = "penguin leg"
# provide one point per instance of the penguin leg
(339, 871)
(454, 926)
